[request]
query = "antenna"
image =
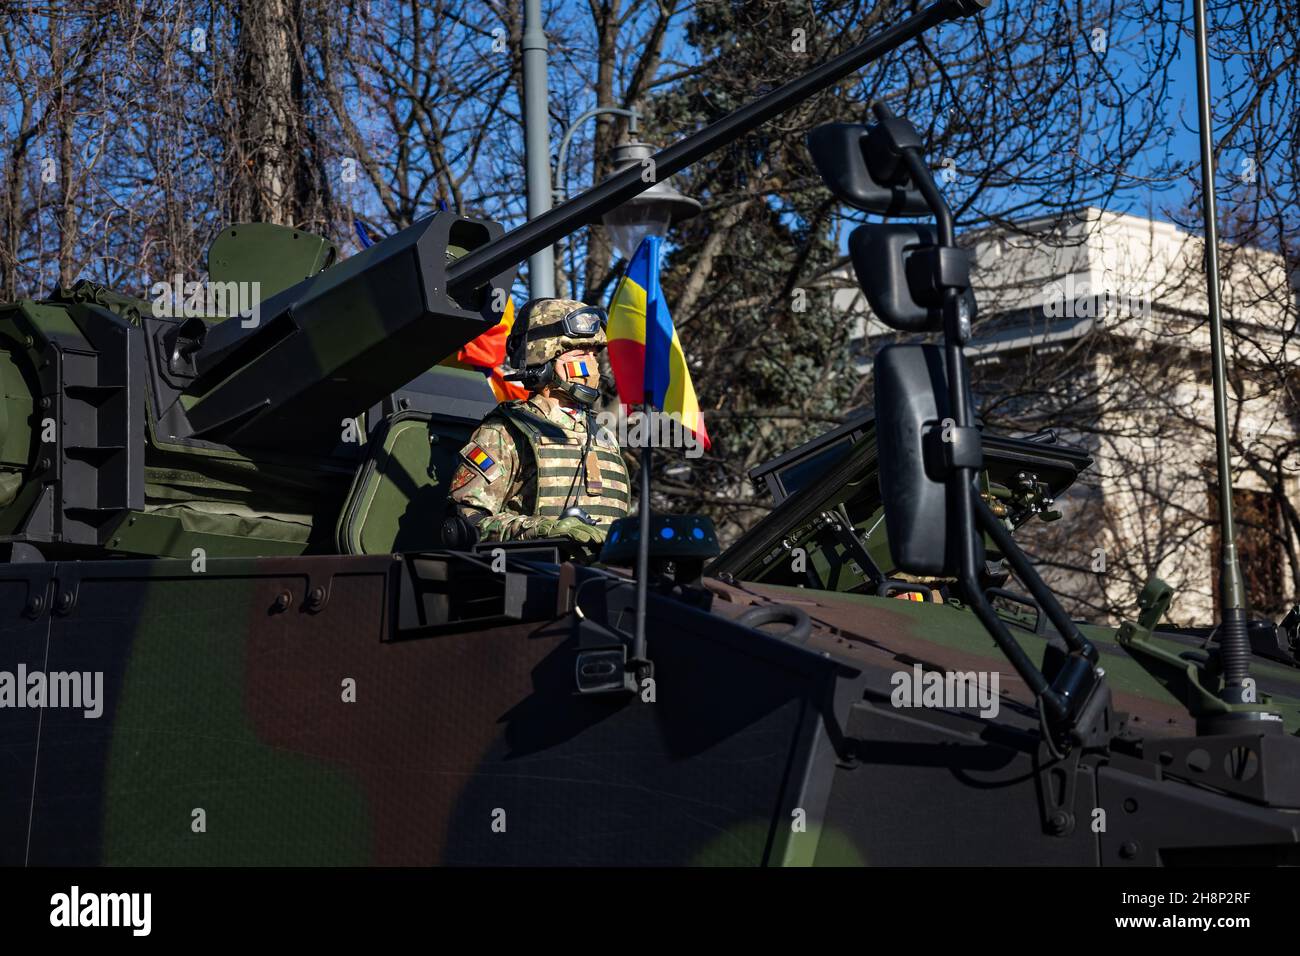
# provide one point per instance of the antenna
(1234, 642)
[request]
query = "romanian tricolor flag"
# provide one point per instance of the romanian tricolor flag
(644, 351)
(487, 354)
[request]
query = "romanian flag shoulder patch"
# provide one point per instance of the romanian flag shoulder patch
(481, 460)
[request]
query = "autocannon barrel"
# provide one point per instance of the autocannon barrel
(340, 341)
(587, 207)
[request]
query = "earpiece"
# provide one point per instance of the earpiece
(533, 377)
(537, 377)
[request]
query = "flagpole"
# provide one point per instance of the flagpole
(639, 661)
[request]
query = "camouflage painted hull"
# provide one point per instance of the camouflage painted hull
(227, 691)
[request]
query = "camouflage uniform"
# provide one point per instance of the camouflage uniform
(513, 494)
(529, 460)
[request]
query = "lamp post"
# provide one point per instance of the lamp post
(560, 191)
(537, 144)
(649, 213)
(561, 167)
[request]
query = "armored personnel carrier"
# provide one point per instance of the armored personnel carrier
(232, 635)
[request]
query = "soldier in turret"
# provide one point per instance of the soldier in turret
(542, 467)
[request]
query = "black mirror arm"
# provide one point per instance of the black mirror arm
(1009, 646)
(1064, 698)
(1038, 589)
(1065, 695)
(961, 503)
(955, 322)
(923, 180)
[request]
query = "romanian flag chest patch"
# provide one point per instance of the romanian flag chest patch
(481, 460)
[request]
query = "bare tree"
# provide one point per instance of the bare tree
(133, 133)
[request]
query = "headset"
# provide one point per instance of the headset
(584, 322)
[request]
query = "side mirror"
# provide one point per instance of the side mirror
(861, 166)
(912, 406)
(902, 272)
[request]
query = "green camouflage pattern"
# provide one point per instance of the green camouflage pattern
(536, 446)
(419, 707)
(291, 703)
(540, 315)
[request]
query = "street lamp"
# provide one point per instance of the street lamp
(560, 189)
(649, 213)
(537, 142)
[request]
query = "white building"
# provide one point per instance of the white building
(1105, 315)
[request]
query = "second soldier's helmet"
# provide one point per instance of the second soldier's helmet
(546, 328)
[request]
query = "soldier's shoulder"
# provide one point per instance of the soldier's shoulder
(489, 452)
(507, 410)
(491, 425)
(493, 433)
(522, 415)
(606, 438)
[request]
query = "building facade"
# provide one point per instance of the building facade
(1096, 324)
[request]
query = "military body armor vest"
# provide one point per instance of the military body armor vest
(558, 457)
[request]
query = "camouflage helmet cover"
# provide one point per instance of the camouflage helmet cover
(541, 321)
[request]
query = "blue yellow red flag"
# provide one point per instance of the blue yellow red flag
(644, 351)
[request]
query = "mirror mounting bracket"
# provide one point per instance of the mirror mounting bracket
(931, 453)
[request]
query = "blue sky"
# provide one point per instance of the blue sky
(1142, 198)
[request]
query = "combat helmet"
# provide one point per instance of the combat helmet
(546, 328)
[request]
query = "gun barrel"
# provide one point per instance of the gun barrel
(517, 245)
(337, 342)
